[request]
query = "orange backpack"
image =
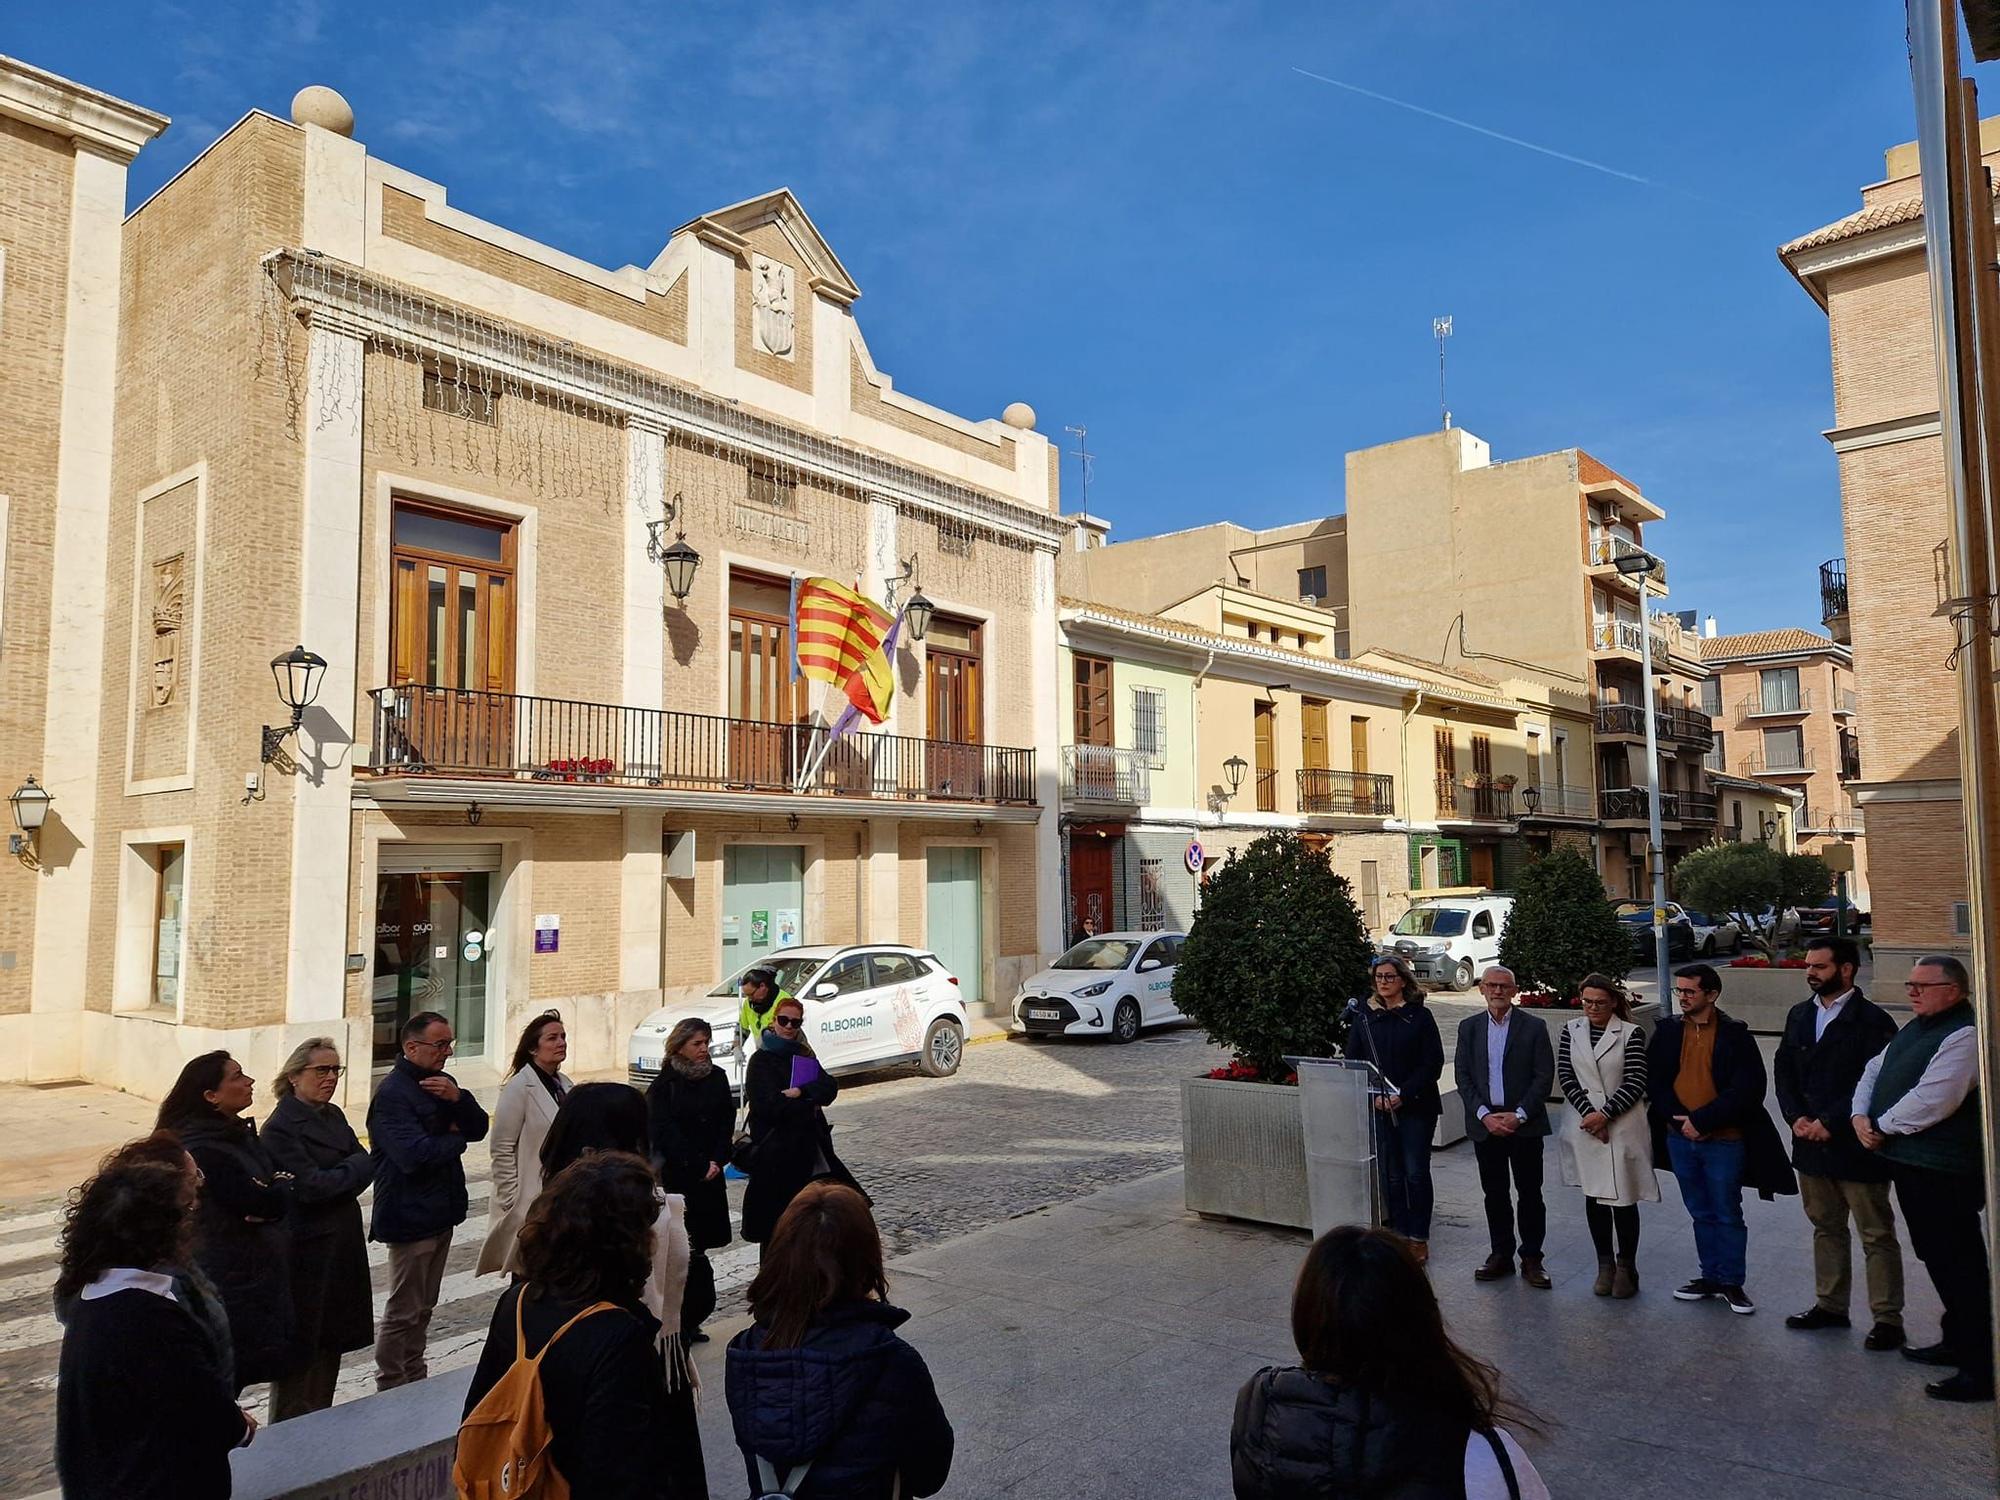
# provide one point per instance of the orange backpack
(503, 1444)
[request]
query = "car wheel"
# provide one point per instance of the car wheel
(1125, 1021)
(1461, 977)
(1708, 946)
(944, 1048)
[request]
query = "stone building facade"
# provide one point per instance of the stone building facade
(448, 460)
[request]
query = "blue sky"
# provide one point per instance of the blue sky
(1144, 219)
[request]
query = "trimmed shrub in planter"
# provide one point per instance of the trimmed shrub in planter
(1562, 928)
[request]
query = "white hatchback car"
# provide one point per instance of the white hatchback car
(1109, 985)
(868, 1006)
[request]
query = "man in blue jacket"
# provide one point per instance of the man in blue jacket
(419, 1124)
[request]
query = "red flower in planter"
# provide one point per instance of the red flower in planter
(1241, 1070)
(1754, 961)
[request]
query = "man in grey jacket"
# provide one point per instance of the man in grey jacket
(1505, 1067)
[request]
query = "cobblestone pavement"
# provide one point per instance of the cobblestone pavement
(1023, 1124)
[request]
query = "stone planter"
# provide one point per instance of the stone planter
(1761, 997)
(1245, 1151)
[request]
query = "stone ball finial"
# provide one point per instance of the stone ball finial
(1019, 415)
(319, 105)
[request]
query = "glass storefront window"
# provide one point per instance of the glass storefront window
(433, 948)
(168, 906)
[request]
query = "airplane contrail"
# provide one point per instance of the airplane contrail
(1512, 140)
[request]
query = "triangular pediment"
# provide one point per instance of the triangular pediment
(730, 227)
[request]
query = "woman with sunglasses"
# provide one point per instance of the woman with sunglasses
(308, 1136)
(786, 1091)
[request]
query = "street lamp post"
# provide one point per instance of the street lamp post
(1641, 566)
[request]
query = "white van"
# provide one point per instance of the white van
(1449, 940)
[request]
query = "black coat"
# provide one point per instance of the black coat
(790, 1138)
(1404, 1043)
(692, 1124)
(243, 1243)
(418, 1142)
(1298, 1436)
(144, 1411)
(1818, 1079)
(1527, 1072)
(1738, 1070)
(853, 1399)
(330, 1289)
(614, 1433)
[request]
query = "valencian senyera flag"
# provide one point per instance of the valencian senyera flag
(842, 638)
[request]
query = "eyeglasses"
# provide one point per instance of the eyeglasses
(1690, 993)
(1597, 1002)
(788, 1022)
(443, 1046)
(325, 1070)
(1918, 986)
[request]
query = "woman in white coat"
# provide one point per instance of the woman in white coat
(1606, 1142)
(529, 1100)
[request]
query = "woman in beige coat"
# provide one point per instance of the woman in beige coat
(1606, 1142)
(529, 1099)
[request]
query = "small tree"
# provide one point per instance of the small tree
(1273, 955)
(1742, 879)
(1803, 880)
(1562, 927)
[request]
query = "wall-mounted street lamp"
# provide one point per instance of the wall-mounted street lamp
(30, 806)
(1531, 799)
(1770, 828)
(919, 609)
(298, 674)
(676, 559)
(1233, 770)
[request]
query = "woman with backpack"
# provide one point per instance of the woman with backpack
(572, 1375)
(1384, 1402)
(827, 1402)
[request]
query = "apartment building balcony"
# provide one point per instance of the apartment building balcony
(1836, 815)
(1627, 721)
(1833, 599)
(1626, 807)
(1605, 550)
(1478, 803)
(1352, 793)
(1764, 765)
(1100, 773)
(504, 747)
(1621, 721)
(1850, 760)
(1696, 807)
(1776, 706)
(1621, 640)
(1576, 803)
(1846, 702)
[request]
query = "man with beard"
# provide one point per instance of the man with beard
(1828, 1040)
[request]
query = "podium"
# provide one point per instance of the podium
(1336, 1108)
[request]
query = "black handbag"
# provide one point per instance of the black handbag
(743, 1150)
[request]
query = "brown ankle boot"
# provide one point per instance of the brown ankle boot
(1625, 1278)
(1602, 1286)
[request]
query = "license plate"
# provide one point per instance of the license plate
(646, 1064)
(1044, 1015)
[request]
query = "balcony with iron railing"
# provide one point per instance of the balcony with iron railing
(1267, 790)
(1479, 802)
(1684, 726)
(1607, 547)
(1779, 763)
(1358, 793)
(1697, 807)
(1833, 598)
(1621, 720)
(1101, 773)
(1608, 636)
(1846, 701)
(450, 732)
(1577, 802)
(1836, 815)
(1775, 705)
(1629, 804)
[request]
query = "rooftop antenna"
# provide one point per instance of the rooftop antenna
(1083, 456)
(1441, 330)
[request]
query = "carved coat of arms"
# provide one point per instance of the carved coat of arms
(771, 305)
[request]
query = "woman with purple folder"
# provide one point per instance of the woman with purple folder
(791, 1144)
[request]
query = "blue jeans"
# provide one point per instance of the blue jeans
(1711, 1177)
(1403, 1151)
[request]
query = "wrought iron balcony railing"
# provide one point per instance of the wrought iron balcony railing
(1697, 807)
(1627, 804)
(1833, 590)
(431, 731)
(1621, 718)
(1776, 705)
(1354, 792)
(1476, 803)
(1606, 548)
(1555, 802)
(1779, 763)
(1100, 773)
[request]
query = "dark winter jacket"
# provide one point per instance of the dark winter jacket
(791, 1141)
(1738, 1069)
(1817, 1079)
(604, 1389)
(1404, 1043)
(692, 1123)
(1298, 1436)
(418, 1143)
(853, 1399)
(330, 1287)
(144, 1411)
(243, 1242)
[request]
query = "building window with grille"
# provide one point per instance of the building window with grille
(1149, 736)
(1152, 897)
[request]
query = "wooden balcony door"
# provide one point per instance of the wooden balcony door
(1095, 774)
(1486, 798)
(765, 705)
(1316, 792)
(1357, 750)
(1266, 723)
(1445, 754)
(954, 708)
(451, 627)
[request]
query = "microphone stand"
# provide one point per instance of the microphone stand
(1357, 1020)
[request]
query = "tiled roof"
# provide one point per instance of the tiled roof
(1880, 216)
(1762, 643)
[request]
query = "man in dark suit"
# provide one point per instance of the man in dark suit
(1828, 1041)
(1505, 1068)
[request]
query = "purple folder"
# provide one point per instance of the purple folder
(806, 1070)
